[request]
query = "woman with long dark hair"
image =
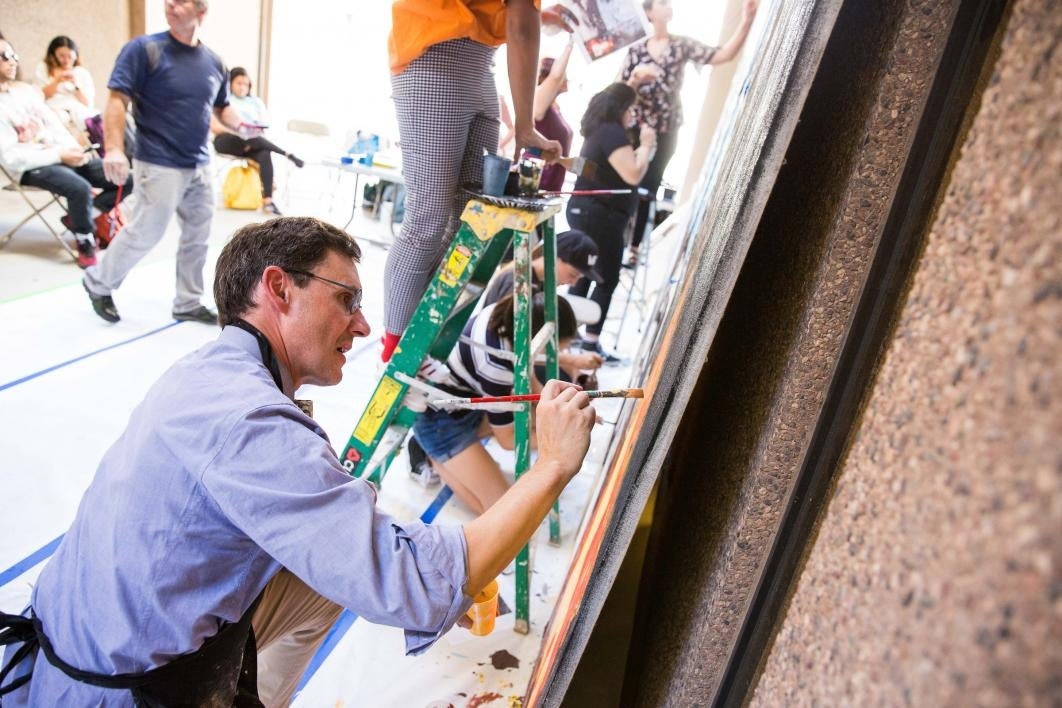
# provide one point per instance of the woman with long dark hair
(655, 67)
(620, 165)
(451, 438)
(250, 144)
(68, 87)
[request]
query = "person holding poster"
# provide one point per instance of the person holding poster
(655, 69)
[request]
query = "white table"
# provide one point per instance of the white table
(384, 174)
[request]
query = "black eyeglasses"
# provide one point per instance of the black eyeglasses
(352, 305)
(9, 55)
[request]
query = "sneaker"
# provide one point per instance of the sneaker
(67, 223)
(596, 348)
(632, 260)
(103, 305)
(271, 208)
(420, 468)
(199, 314)
(86, 253)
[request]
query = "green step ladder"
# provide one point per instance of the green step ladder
(488, 226)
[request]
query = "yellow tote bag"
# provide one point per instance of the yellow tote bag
(242, 188)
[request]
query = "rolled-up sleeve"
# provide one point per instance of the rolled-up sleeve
(278, 480)
(445, 549)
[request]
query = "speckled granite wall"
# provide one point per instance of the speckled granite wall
(935, 578)
(760, 394)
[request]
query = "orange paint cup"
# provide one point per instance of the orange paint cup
(484, 609)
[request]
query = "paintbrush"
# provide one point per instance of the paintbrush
(533, 397)
(576, 164)
(579, 165)
(587, 192)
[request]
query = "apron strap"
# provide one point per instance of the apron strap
(231, 643)
(16, 629)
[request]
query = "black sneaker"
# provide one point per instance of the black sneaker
(420, 468)
(102, 304)
(596, 348)
(199, 314)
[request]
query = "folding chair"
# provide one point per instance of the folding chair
(313, 141)
(36, 211)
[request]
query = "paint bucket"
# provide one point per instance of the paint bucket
(484, 609)
(495, 172)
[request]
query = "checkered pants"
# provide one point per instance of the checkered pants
(447, 107)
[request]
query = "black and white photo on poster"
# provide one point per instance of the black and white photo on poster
(602, 27)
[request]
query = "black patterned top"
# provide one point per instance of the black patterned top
(659, 105)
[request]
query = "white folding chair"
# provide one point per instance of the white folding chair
(313, 142)
(36, 210)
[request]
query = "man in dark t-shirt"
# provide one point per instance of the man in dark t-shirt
(176, 85)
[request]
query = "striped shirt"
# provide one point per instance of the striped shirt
(481, 371)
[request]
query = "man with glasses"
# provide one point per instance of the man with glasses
(223, 507)
(176, 84)
(36, 150)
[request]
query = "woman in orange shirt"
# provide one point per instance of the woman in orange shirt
(442, 53)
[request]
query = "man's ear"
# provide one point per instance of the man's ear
(276, 286)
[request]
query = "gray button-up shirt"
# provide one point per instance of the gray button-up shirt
(218, 481)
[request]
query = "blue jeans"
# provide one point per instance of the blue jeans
(445, 434)
(75, 185)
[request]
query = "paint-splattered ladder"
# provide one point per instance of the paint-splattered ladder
(486, 231)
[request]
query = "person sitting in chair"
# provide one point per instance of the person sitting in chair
(36, 150)
(249, 143)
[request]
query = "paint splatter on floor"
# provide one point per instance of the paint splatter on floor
(502, 659)
(482, 699)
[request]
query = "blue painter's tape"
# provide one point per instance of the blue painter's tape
(50, 369)
(436, 506)
(38, 556)
(339, 629)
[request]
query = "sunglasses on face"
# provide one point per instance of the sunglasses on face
(352, 302)
(8, 55)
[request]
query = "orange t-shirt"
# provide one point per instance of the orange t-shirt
(418, 24)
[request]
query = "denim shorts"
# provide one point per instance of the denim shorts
(445, 434)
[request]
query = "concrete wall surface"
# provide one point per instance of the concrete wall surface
(934, 578)
(100, 28)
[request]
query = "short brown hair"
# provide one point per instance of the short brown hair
(289, 242)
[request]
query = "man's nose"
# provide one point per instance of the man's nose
(359, 326)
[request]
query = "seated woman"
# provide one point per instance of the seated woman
(604, 218)
(250, 144)
(451, 438)
(37, 151)
(67, 86)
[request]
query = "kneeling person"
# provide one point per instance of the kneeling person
(451, 438)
